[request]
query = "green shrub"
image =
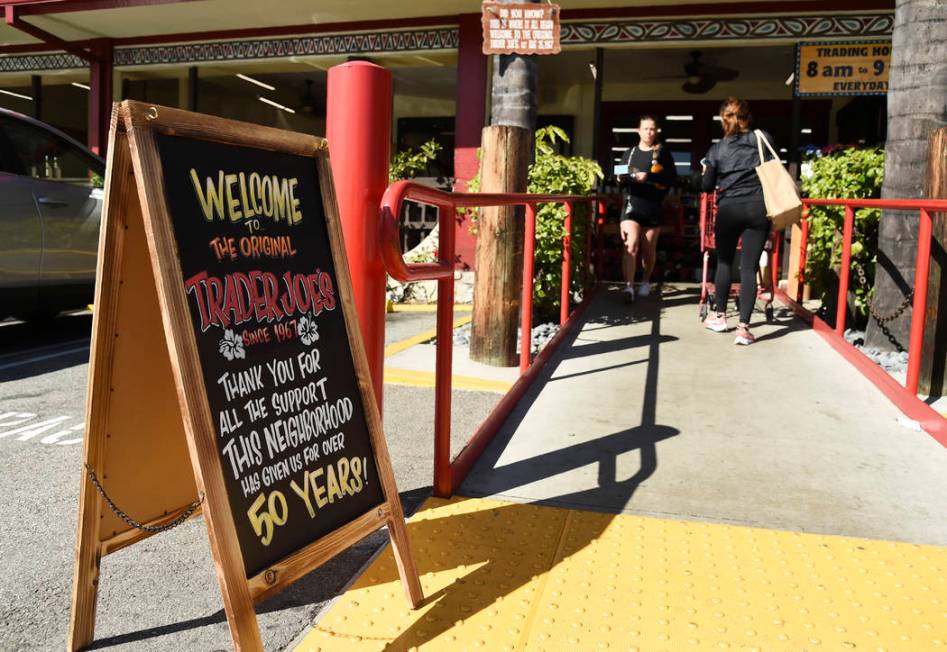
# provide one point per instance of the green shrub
(408, 163)
(553, 173)
(846, 174)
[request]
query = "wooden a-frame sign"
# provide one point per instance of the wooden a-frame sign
(227, 367)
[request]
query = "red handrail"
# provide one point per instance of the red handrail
(921, 270)
(447, 475)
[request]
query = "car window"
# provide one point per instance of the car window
(9, 161)
(43, 155)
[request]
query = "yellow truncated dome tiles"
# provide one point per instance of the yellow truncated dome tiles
(502, 576)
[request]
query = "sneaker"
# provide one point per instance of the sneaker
(644, 289)
(628, 292)
(744, 336)
(716, 323)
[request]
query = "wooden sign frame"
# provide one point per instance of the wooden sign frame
(139, 282)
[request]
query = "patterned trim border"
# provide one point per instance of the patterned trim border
(715, 29)
(447, 38)
(444, 38)
(39, 62)
(427, 39)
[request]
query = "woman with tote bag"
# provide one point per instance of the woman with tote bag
(730, 168)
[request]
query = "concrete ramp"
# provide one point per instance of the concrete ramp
(646, 412)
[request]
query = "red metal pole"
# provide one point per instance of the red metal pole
(100, 96)
(566, 289)
(803, 253)
(704, 198)
(471, 85)
(844, 270)
(358, 127)
(921, 270)
(777, 251)
(600, 240)
(444, 357)
(587, 269)
(526, 303)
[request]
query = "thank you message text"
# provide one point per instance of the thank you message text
(263, 295)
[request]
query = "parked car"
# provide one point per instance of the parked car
(50, 208)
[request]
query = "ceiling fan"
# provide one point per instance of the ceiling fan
(309, 103)
(699, 77)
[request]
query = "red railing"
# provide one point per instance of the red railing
(447, 474)
(921, 271)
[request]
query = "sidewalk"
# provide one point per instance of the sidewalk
(662, 489)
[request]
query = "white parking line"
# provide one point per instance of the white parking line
(32, 430)
(47, 347)
(40, 358)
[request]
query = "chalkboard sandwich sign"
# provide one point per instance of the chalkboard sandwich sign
(227, 370)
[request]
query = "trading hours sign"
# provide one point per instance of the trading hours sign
(843, 68)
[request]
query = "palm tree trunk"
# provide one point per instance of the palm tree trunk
(498, 282)
(917, 104)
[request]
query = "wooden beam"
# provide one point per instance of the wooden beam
(40, 7)
(13, 20)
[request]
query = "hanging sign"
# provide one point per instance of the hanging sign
(530, 28)
(227, 371)
(842, 68)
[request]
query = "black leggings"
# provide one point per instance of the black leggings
(737, 218)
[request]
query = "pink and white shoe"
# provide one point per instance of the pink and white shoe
(715, 322)
(744, 336)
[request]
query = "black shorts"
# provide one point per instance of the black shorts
(645, 212)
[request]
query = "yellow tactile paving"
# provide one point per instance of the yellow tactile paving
(501, 576)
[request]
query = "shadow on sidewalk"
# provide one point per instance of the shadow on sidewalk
(494, 579)
(490, 572)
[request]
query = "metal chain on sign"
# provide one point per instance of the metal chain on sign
(183, 516)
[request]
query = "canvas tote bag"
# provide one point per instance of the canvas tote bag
(783, 206)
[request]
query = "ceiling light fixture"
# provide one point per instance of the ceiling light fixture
(276, 104)
(19, 95)
(678, 118)
(256, 81)
(429, 60)
(84, 87)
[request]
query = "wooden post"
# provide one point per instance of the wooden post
(597, 110)
(36, 81)
(504, 161)
(934, 351)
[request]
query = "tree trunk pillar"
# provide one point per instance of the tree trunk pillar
(504, 161)
(934, 351)
(916, 93)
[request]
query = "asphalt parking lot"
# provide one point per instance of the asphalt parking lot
(162, 593)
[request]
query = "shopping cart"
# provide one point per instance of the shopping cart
(764, 292)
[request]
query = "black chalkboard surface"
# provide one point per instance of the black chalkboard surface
(262, 289)
(227, 370)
